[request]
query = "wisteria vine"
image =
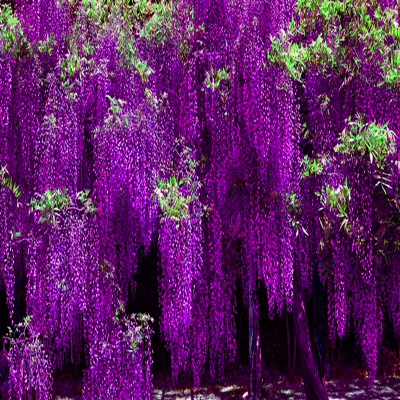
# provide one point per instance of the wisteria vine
(231, 130)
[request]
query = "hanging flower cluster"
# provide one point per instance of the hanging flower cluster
(30, 365)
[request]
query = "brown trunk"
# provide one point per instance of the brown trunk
(398, 346)
(294, 349)
(254, 340)
(312, 384)
(288, 340)
(255, 369)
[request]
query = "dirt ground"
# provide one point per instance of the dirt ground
(350, 385)
(387, 389)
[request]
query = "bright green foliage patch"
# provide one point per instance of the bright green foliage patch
(6, 180)
(159, 26)
(143, 69)
(294, 212)
(169, 191)
(46, 46)
(115, 113)
(51, 204)
(214, 79)
(170, 199)
(343, 25)
(361, 138)
(313, 166)
(336, 199)
(12, 39)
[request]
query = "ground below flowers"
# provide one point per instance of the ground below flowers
(344, 384)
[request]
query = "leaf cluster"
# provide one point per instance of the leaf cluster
(373, 139)
(214, 79)
(143, 69)
(168, 192)
(358, 139)
(294, 211)
(336, 200)
(46, 46)
(170, 199)
(52, 204)
(6, 180)
(156, 102)
(342, 25)
(12, 39)
(115, 112)
(159, 27)
(313, 166)
(73, 63)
